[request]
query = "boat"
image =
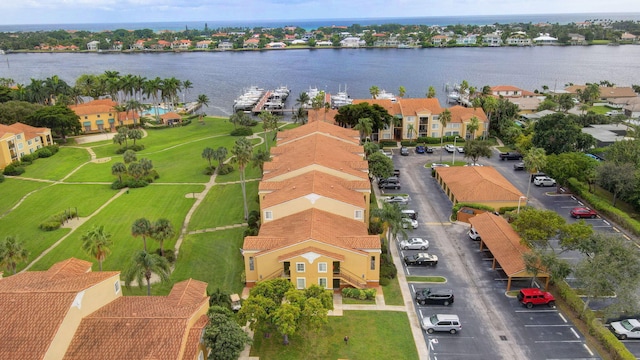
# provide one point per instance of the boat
(312, 93)
(406, 46)
(341, 98)
(453, 96)
(248, 99)
(386, 96)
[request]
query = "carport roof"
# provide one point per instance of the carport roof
(478, 184)
(504, 244)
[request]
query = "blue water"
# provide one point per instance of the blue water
(316, 23)
(152, 111)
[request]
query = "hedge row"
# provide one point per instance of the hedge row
(604, 207)
(616, 349)
(456, 208)
(55, 221)
(361, 294)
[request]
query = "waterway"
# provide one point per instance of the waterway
(222, 76)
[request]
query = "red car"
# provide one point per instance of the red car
(533, 296)
(583, 212)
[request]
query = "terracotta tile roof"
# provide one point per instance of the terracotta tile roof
(478, 183)
(115, 330)
(170, 116)
(505, 88)
(314, 140)
(393, 108)
(314, 225)
(313, 182)
(502, 241)
(193, 339)
(460, 114)
(30, 132)
(413, 106)
(319, 127)
(328, 254)
(6, 130)
(605, 92)
(321, 115)
(94, 107)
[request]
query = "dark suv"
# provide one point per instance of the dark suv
(434, 296)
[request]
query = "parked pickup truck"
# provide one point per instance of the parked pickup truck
(510, 156)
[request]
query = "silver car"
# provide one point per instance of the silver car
(628, 328)
(441, 322)
(414, 244)
(409, 223)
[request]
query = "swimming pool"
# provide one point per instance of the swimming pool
(152, 111)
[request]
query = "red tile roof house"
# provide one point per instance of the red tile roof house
(69, 312)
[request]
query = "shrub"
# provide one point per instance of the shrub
(56, 220)
(408, 143)
(43, 153)
(117, 185)
(169, 254)
(133, 183)
(209, 170)
(1, 178)
(250, 232)
(28, 159)
(387, 143)
(13, 170)
(242, 131)
(225, 169)
(361, 294)
(50, 225)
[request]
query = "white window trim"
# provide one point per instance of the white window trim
(303, 267)
(326, 283)
(268, 215)
(325, 267)
(358, 214)
(304, 283)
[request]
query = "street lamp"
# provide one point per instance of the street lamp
(453, 163)
(520, 199)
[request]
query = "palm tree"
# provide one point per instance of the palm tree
(402, 91)
(129, 156)
(391, 215)
(135, 107)
(186, 85)
(146, 166)
(374, 91)
(535, 160)
(238, 118)
(489, 105)
(135, 134)
(259, 158)
(142, 227)
(243, 151)
(124, 132)
(118, 169)
(162, 230)
(142, 266)
(365, 127)
(411, 130)
(151, 88)
(445, 118)
(431, 92)
(208, 153)
(12, 252)
(300, 116)
(220, 155)
(317, 102)
(302, 100)
(135, 170)
(96, 242)
(473, 126)
(203, 100)
(269, 122)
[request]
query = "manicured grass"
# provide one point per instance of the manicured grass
(223, 206)
(430, 279)
(13, 189)
(392, 293)
(368, 333)
(600, 109)
(57, 166)
(24, 221)
(92, 172)
(152, 202)
(351, 301)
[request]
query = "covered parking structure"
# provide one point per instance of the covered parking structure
(503, 242)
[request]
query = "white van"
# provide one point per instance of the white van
(411, 214)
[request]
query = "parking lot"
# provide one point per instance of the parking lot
(494, 325)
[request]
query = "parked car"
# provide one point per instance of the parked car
(460, 149)
(534, 296)
(510, 156)
(473, 164)
(519, 166)
(441, 322)
(430, 150)
(434, 296)
(434, 165)
(594, 157)
(404, 151)
(411, 214)
(420, 149)
(450, 148)
(544, 181)
(409, 223)
(533, 176)
(628, 328)
(414, 244)
(391, 179)
(583, 212)
(421, 259)
(402, 200)
(387, 185)
(387, 153)
(396, 172)
(235, 302)
(473, 235)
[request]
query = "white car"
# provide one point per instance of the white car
(409, 223)
(473, 235)
(460, 149)
(628, 328)
(434, 165)
(544, 181)
(402, 200)
(414, 244)
(441, 322)
(450, 148)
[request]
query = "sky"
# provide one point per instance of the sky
(126, 11)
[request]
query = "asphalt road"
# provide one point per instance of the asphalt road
(494, 325)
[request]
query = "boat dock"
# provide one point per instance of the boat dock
(260, 104)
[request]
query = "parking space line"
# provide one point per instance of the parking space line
(563, 319)
(588, 350)
(557, 325)
(575, 333)
(535, 311)
(413, 289)
(557, 341)
(421, 314)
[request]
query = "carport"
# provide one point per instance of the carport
(498, 236)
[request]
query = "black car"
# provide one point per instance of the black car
(434, 296)
(388, 185)
(421, 259)
(404, 151)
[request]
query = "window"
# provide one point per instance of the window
(268, 215)
(29, 142)
(373, 263)
(86, 117)
(300, 267)
(20, 146)
(19, 136)
(322, 282)
(251, 264)
(116, 286)
(434, 126)
(301, 283)
(98, 115)
(358, 214)
(322, 267)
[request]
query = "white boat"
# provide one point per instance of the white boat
(453, 96)
(386, 95)
(341, 98)
(248, 99)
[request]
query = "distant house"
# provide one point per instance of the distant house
(577, 39)
(324, 43)
(492, 39)
(18, 140)
(352, 42)
(440, 40)
(510, 91)
(225, 45)
(138, 45)
(276, 45)
(518, 38)
(545, 39)
(93, 45)
(628, 37)
(606, 93)
(204, 44)
(101, 115)
(181, 44)
(469, 39)
(252, 43)
(117, 45)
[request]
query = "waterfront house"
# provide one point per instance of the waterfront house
(440, 40)
(469, 39)
(526, 105)
(508, 91)
(545, 39)
(493, 39)
(203, 44)
(225, 45)
(252, 43)
(18, 140)
(606, 92)
(577, 39)
(70, 312)
(628, 37)
(352, 42)
(518, 38)
(93, 45)
(276, 45)
(138, 45)
(182, 44)
(101, 115)
(324, 43)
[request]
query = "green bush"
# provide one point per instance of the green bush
(56, 220)
(242, 131)
(225, 169)
(409, 143)
(209, 170)
(250, 232)
(117, 185)
(50, 225)
(361, 294)
(43, 153)
(1, 178)
(387, 143)
(169, 254)
(13, 170)
(28, 159)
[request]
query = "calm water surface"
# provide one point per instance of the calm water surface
(223, 75)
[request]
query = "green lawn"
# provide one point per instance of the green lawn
(600, 109)
(372, 335)
(392, 294)
(223, 206)
(94, 172)
(13, 189)
(429, 279)
(53, 168)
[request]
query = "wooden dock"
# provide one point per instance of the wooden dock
(258, 108)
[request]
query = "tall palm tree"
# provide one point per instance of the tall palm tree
(391, 215)
(402, 91)
(317, 103)
(186, 85)
(220, 155)
(135, 134)
(138, 86)
(208, 153)
(12, 252)
(259, 158)
(242, 152)
(146, 165)
(162, 230)
(96, 242)
(118, 169)
(535, 160)
(135, 107)
(269, 122)
(411, 130)
(374, 91)
(151, 88)
(489, 105)
(129, 156)
(431, 92)
(36, 91)
(143, 265)
(203, 100)
(302, 100)
(300, 116)
(445, 118)
(364, 127)
(143, 228)
(238, 118)
(473, 126)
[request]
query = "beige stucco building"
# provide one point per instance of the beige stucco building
(18, 140)
(103, 116)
